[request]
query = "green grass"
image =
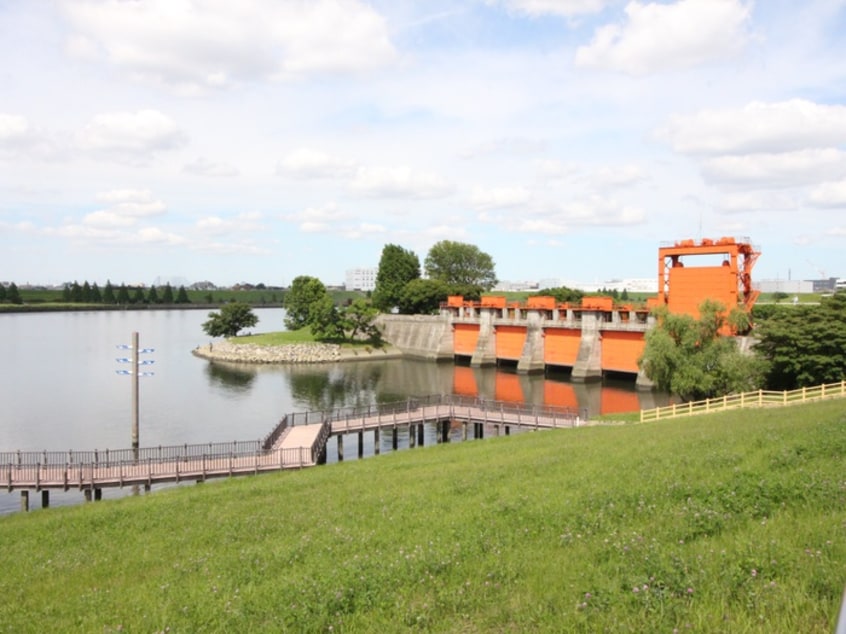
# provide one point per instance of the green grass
(280, 338)
(725, 523)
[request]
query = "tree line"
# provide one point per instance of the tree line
(86, 293)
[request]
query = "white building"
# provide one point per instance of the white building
(784, 286)
(361, 279)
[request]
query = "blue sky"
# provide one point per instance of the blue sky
(258, 140)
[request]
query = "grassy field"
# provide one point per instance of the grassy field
(726, 523)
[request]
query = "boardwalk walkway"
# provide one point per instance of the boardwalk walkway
(298, 441)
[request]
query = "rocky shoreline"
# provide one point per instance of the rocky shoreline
(291, 353)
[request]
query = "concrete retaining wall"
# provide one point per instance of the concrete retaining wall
(421, 336)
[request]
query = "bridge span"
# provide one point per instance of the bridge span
(299, 440)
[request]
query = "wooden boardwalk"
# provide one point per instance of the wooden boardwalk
(298, 441)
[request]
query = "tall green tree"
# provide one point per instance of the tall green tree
(804, 345)
(231, 319)
(423, 297)
(153, 295)
(109, 293)
(689, 358)
(123, 295)
(138, 296)
(461, 264)
(324, 320)
(96, 295)
(167, 294)
(182, 296)
(2, 293)
(305, 291)
(13, 295)
(397, 267)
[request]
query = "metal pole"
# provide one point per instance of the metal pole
(135, 364)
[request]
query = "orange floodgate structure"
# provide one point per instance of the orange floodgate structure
(726, 276)
(596, 336)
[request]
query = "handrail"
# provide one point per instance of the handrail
(758, 398)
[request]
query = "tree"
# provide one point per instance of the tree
(13, 295)
(138, 296)
(304, 292)
(182, 296)
(123, 295)
(96, 295)
(357, 321)
(459, 263)
(153, 295)
(167, 294)
(423, 297)
(324, 320)
(689, 357)
(231, 319)
(804, 345)
(109, 293)
(2, 293)
(397, 267)
(562, 294)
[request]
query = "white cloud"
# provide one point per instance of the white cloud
(125, 208)
(500, 198)
(364, 230)
(830, 194)
(157, 236)
(130, 136)
(391, 182)
(558, 219)
(201, 166)
(318, 219)
(658, 37)
(309, 163)
(758, 127)
(246, 222)
(206, 44)
(14, 130)
(759, 201)
(786, 169)
(564, 8)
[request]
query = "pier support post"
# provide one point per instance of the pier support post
(376, 439)
(147, 488)
(361, 444)
(395, 439)
(445, 431)
(98, 495)
(464, 430)
(508, 430)
(45, 498)
(421, 430)
(87, 494)
(340, 438)
(24, 500)
(412, 436)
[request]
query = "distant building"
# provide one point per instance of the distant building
(785, 286)
(361, 279)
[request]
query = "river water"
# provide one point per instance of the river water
(61, 389)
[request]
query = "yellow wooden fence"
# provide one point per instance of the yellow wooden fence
(759, 398)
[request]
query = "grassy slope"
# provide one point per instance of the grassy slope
(726, 523)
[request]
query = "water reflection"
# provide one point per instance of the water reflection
(233, 378)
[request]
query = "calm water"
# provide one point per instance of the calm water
(60, 389)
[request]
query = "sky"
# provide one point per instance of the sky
(258, 140)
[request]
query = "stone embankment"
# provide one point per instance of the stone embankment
(290, 353)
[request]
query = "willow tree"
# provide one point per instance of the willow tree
(690, 358)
